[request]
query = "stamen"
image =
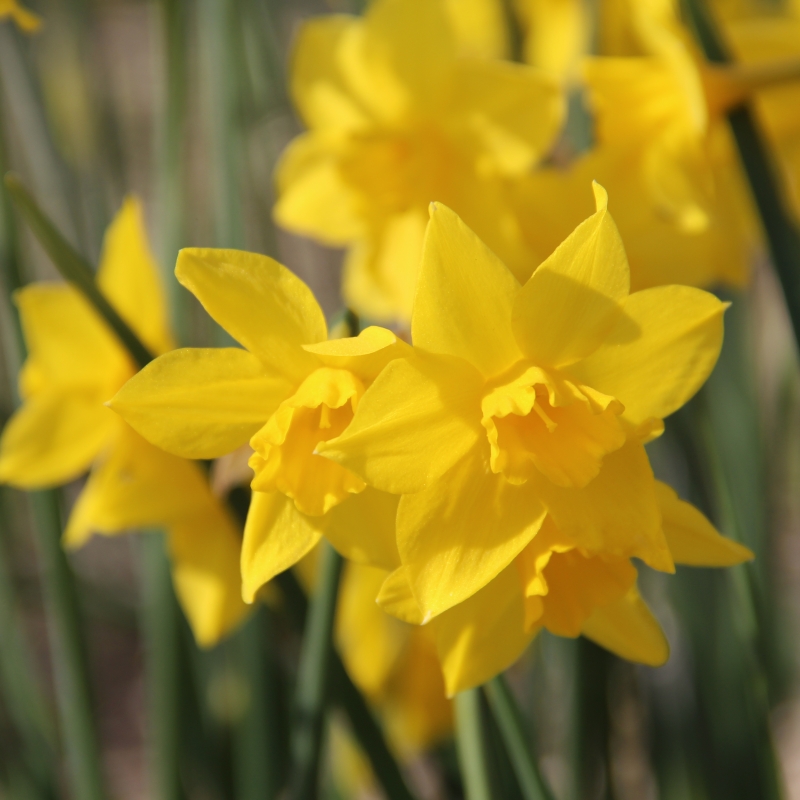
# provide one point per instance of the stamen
(551, 426)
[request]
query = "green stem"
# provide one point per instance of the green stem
(67, 652)
(471, 746)
(161, 627)
(508, 720)
(74, 268)
(345, 693)
(313, 679)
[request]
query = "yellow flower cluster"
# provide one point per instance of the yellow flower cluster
(486, 475)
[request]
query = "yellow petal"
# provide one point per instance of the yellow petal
(556, 34)
(464, 297)
(69, 344)
(259, 302)
(660, 352)
(617, 512)
(53, 438)
(319, 88)
(364, 355)
(201, 403)
(459, 533)
(380, 271)
(483, 636)
(313, 197)
(418, 418)
(205, 550)
(628, 628)
(370, 641)
(573, 299)
(480, 27)
(692, 539)
(27, 20)
(508, 114)
(396, 598)
(362, 528)
(128, 276)
(135, 485)
(276, 537)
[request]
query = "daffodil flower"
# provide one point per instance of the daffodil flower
(27, 20)
(286, 391)
(521, 402)
(74, 365)
(402, 110)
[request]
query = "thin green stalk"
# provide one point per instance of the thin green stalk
(68, 652)
(345, 693)
(161, 627)
(507, 716)
(73, 267)
(313, 679)
(763, 175)
(472, 756)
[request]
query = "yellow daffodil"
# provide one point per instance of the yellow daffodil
(520, 402)
(285, 394)
(27, 20)
(402, 110)
(655, 95)
(75, 364)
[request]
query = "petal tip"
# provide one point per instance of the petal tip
(600, 196)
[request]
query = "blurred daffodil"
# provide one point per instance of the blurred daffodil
(27, 20)
(403, 110)
(285, 394)
(74, 365)
(521, 402)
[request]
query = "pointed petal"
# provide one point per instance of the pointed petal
(135, 485)
(396, 598)
(692, 539)
(660, 352)
(412, 424)
(365, 355)
(201, 403)
(53, 439)
(276, 537)
(205, 550)
(128, 276)
(628, 628)
(458, 534)
(483, 636)
(362, 528)
(464, 297)
(617, 512)
(573, 299)
(259, 302)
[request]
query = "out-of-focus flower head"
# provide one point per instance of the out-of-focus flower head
(27, 20)
(514, 433)
(75, 364)
(404, 107)
(286, 393)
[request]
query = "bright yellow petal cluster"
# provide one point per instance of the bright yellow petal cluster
(285, 394)
(27, 20)
(405, 106)
(514, 434)
(63, 429)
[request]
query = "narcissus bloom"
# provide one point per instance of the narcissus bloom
(521, 402)
(27, 20)
(514, 434)
(285, 394)
(75, 364)
(401, 111)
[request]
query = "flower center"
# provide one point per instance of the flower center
(538, 421)
(285, 458)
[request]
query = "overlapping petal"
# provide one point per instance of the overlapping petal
(464, 297)
(259, 302)
(201, 403)
(416, 420)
